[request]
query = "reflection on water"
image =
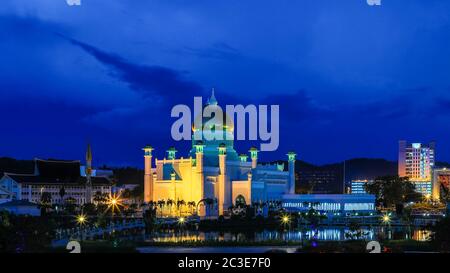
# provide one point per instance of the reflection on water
(421, 235)
(321, 234)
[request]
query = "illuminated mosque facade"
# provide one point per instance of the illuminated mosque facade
(213, 170)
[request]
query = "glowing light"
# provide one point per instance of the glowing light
(427, 197)
(285, 219)
(386, 219)
(181, 220)
(114, 203)
(81, 219)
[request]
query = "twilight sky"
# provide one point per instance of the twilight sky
(350, 79)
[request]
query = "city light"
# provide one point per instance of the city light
(81, 219)
(114, 203)
(386, 219)
(181, 221)
(427, 197)
(285, 219)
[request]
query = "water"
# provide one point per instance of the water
(321, 234)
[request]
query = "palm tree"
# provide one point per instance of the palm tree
(161, 204)
(46, 201)
(170, 203)
(191, 205)
(180, 203)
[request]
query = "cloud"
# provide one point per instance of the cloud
(299, 106)
(220, 51)
(149, 80)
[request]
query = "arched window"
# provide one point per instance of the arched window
(240, 201)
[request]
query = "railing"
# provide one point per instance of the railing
(62, 236)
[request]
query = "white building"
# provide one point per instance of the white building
(5, 195)
(416, 161)
(63, 180)
(331, 204)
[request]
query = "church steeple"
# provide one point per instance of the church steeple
(212, 100)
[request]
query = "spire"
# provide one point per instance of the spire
(88, 153)
(212, 100)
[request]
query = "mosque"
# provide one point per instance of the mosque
(213, 170)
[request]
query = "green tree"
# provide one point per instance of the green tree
(161, 204)
(25, 234)
(46, 202)
(441, 234)
(137, 193)
(70, 206)
(89, 209)
(180, 205)
(191, 206)
(392, 191)
(170, 203)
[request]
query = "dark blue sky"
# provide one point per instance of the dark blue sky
(351, 79)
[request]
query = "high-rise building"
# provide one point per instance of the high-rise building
(416, 161)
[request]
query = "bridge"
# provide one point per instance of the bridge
(89, 232)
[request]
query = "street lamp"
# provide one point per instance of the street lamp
(386, 219)
(81, 221)
(285, 219)
(114, 202)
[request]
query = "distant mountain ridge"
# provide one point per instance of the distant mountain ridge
(357, 168)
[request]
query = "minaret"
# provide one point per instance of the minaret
(222, 177)
(148, 177)
(254, 156)
(171, 153)
(212, 100)
(291, 181)
(88, 171)
(199, 195)
(249, 187)
(243, 157)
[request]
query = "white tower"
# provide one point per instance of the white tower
(254, 156)
(199, 169)
(148, 177)
(222, 177)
